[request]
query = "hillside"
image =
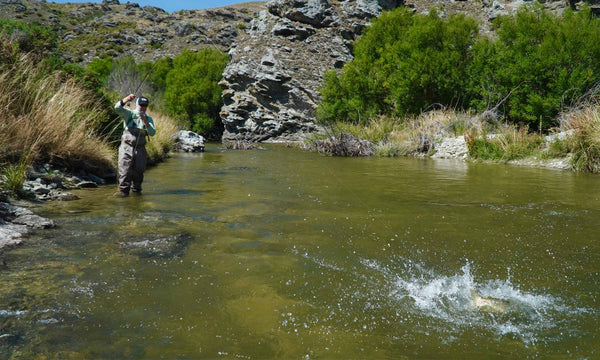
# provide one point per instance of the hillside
(88, 30)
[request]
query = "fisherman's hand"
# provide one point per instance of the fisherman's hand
(128, 98)
(143, 116)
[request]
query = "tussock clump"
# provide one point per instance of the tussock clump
(343, 144)
(49, 118)
(160, 144)
(583, 124)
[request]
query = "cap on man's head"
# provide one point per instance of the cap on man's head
(142, 101)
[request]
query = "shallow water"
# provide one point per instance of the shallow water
(281, 253)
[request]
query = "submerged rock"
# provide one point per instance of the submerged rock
(157, 245)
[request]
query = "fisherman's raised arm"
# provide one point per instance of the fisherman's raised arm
(121, 110)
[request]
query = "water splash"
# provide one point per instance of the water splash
(528, 316)
(380, 295)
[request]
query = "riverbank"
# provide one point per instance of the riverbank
(447, 134)
(46, 183)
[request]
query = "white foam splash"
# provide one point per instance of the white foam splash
(450, 299)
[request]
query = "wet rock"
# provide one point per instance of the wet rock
(16, 222)
(188, 141)
(8, 339)
(33, 221)
(21, 216)
(87, 184)
(157, 245)
(11, 234)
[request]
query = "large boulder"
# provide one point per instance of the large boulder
(188, 141)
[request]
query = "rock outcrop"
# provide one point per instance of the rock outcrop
(270, 86)
(44, 183)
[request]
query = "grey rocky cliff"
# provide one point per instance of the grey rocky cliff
(270, 86)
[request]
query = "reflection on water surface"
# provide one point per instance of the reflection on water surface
(281, 253)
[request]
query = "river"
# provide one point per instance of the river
(285, 254)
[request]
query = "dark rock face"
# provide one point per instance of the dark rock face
(277, 65)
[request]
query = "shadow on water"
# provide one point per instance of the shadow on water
(288, 254)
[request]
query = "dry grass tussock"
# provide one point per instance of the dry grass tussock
(49, 118)
(160, 144)
(583, 144)
(411, 136)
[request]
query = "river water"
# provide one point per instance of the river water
(286, 254)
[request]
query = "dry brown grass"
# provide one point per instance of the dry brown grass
(160, 144)
(584, 140)
(412, 136)
(49, 118)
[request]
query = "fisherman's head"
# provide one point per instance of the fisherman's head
(142, 103)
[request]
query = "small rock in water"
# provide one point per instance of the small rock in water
(86, 184)
(157, 245)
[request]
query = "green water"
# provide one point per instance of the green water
(294, 255)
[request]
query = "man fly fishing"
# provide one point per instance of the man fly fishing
(132, 152)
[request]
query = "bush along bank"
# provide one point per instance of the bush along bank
(574, 145)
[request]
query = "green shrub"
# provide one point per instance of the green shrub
(403, 64)
(539, 62)
(28, 37)
(192, 91)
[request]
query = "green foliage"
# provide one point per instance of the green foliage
(185, 87)
(482, 149)
(13, 176)
(403, 64)
(508, 145)
(555, 149)
(28, 37)
(157, 72)
(540, 62)
(192, 91)
(101, 68)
